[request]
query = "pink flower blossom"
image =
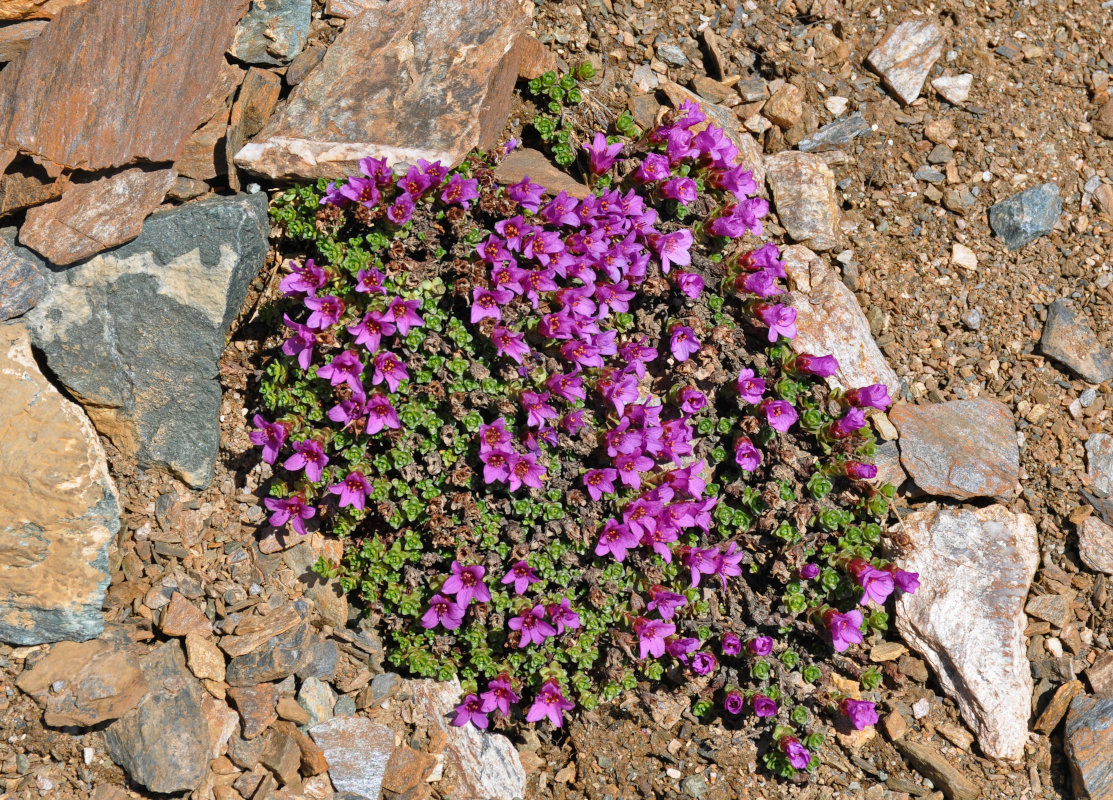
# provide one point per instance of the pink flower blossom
(665, 602)
(353, 490)
(760, 645)
(750, 388)
(499, 695)
(293, 507)
(850, 424)
(651, 636)
(781, 320)
(907, 582)
(381, 414)
(779, 414)
(845, 629)
(673, 248)
(460, 191)
(563, 616)
(533, 626)
(388, 368)
(875, 396)
(599, 482)
(470, 710)
(764, 707)
(856, 470)
(522, 575)
(466, 583)
(861, 713)
(683, 342)
(344, 368)
(798, 755)
(731, 645)
(734, 702)
(310, 456)
(746, 455)
(270, 436)
(326, 311)
(442, 611)
(601, 156)
(821, 366)
(689, 284)
(524, 470)
(615, 539)
(550, 703)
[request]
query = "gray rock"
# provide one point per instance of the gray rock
(1099, 463)
(905, 55)
(322, 661)
(345, 706)
(836, 135)
(672, 54)
(135, 333)
(1068, 339)
(1027, 216)
(1087, 398)
(282, 655)
(357, 751)
(272, 31)
(318, 699)
(1089, 741)
(694, 786)
(804, 197)
(21, 285)
(383, 687)
(163, 743)
(929, 175)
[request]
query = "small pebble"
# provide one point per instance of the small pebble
(1054, 646)
(921, 708)
(1087, 398)
(972, 319)
(674, 773)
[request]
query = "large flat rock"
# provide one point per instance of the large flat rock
(407, 80)
(1089, 741)
(804, 197)
(967, 618)
(135, 333)
(59, 510)
(905, 55)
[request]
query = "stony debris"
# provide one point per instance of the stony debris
(1057, 707)
(1095, 545)
(403, 81)
(967, 618)
(181, 617)
(963, 256)
(254, 104)
(804, 198)
(257, 707)
(784, 106)
(204, 658)
(527, 162)
(955, 89)
(21, 284)
(1099, 464)
(25, 185)
(282, 656)
(357, 751)
(933, 765)
(960, 449)
(272, 31)
(1089, 740)
(161, 306)
(34, 9)
(1027, 216)
(905, 56)
(829, 320)
(163, 743)
(58, 506)
(836, 135)
(1069, 339)
(318, 699)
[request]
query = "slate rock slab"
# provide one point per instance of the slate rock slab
(21, 284)
(163, 743)
(905, 56)
(135, 333)
(1095, 545)
(59, 510)
(526, 162)
(272, 31)
(1089, 741)
(961, 448)
(1069, 339)
(408, 80)
(357, 751)
(1099, 464)
(804, 198)
(281, 656)
(836, 135)
(1026, 216)
(967, 618)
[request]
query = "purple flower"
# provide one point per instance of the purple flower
(683, 342)
(875, 396)
(692, 400)
(401, 210)
(521, 575)
(403, 313)
(460, 191)
(809, 572)
(651, 636)
(370, 281)
(293, 507)
(798, 755)
(470, 710)
(494, 436)
(415, 182)
(326, 311)
(599, 482)
(370, 331)
(693, 115)
(270, 436)
(353, 490)
(850, 424)
(601, 156)
(731, 645)
(533, 626)
(876, 583)
(616, 539)
(466, 583)
(689, 284)
(683, 190)
(845, 629)
(746, 455)
(442, 611)
(821, 366)
(537, 408)
(655, 167)
(734, 702)
(760, 645)
(301, 344)
(856, 470)
(499, 695)
(333, 196)
(496, 465)
(344, 368)
(861, 713)
(665, 602)
(703, 663)
(631, 467)
(779, 414)
(524, 470)
(510, 343)
(907, 582)
(303, 280)
(673, 248)
(620, 391)
(360, 190)
(761, 284)
(388, 368)
(378, 169)
(563, 616)
(781, 320)
(381, 414)
(573, 421)
(310, 456)
(763, 706)
(486, 302)
(750, 389)
(549, 703)
(679, 648)
(526, 194)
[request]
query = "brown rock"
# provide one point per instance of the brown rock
(357, 751)
(290, 709)
(305, 62)
(58, 505)
(14, 39)
(714, 47)
(98, 681)
(203, 156)
(1089, 741)
(804, 198)
(346, 9)
(715, 92)
(905, 56)
(95, 215)
(1057, 708)
(895, 725)
(187, 189)
(252, 632)
(205, 660)
(930, 763)
(645, 110)
(785, 106)
(33, 9)
(219, 98)
(534, 58)
(60, 106)
(407, 80)
(1051, 608)
(406, 770)
(24, 185)
(1100, 674)
(256, 705)
(181, 617)
(313, 761)
(222, 722)
(961, 449)
(1103, 120)
(749, 153)
(255, 104)
(526, 161)
(21, 283)
(829, 320)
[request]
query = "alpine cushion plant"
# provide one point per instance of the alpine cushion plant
(565, 441)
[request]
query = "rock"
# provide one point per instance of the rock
(14, 39)
(407, 80)
(933, 765)
(256, 705)
(301, 66)
(749, 152)
(406, 770)
(1100, 674)
(929, 175)
(905, 56)
(785, 106)
(1051, 608)
(282, 756)
(381, 689)
(58, 506)
(203, 157)
(829, 320)
(955, 89)
(98, 682)
(253, 632)
(283, 655)
(963, 256)
(318, 699)
(1104, 197)
(357, 751)
(95, 215)
(967, 618)
(313, 760)
(222, 723)
(321, 662)
(21, 285)
(1069, 339)
(713, 91)
(163, 743)
(1103, 120)
(135, 333)
(205, 660)
(715, 47)
(181, 617)
(525, 161)
(961, 448)
(327, 596)
(484, 765)
(346, 9)
(645, 79)
(1057, 707)
(1095, 545)
(672, 54)
(1089, 740)
(940, 154)
(33, 9)
(887, 460)
(272, 31)
(535, 59)
(1099, 464)
(1025, 217)
(58, 106)
(836, 135)
(289, 709)
(187, 189)
(255, 104)
(25, 185)
(804, 198)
